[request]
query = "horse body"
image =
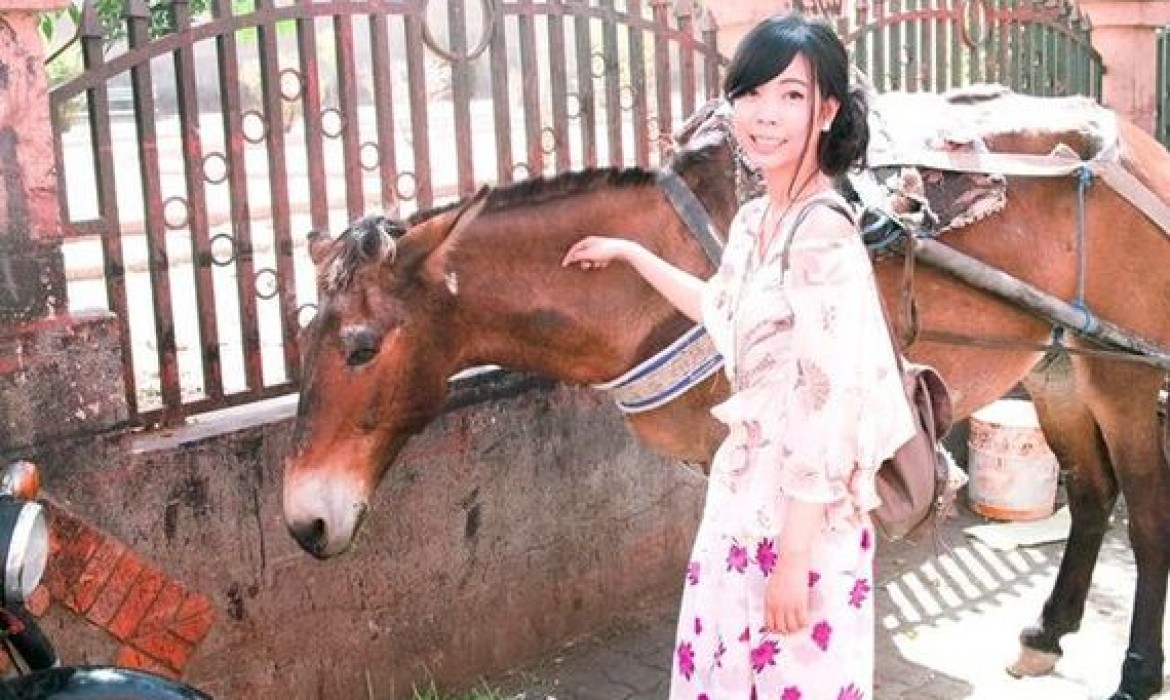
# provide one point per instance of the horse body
(482, 284)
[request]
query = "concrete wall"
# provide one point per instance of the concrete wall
(511, 525)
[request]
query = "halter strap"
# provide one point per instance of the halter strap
(692, 212)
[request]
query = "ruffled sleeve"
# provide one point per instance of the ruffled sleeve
(846, 409)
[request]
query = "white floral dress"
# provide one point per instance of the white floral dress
(817, 405)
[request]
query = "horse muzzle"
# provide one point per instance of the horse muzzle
(324, 516)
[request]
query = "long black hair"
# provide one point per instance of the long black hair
(767, 50)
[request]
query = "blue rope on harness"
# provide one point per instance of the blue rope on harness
(1090, 324)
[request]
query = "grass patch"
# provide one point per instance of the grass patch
(430, 692)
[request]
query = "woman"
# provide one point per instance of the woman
(778, 599)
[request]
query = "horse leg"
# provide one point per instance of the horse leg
(1072, 433)
(1129, 423)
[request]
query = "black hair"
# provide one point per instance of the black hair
(767, 50)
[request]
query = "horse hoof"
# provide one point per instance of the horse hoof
(1033, 663)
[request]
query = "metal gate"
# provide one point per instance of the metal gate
(193, 160)
(1162, 126)
(1038, 47)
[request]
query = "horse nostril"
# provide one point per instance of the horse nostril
(311, 536)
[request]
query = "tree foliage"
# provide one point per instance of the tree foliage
(111, 13)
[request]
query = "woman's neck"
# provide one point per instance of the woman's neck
(785, 189)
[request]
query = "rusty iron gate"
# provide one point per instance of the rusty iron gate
(1038, 47)
(194, 154)
(194, 158)
(1162, 124)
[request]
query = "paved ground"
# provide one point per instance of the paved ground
(947, 627)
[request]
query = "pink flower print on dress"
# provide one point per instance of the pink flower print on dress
(737, 558)
(866, 540)
(720, 650)
(686, 660)
(746, 635)
(822, 633)
(791, 693)
(764, 655)
(813, 577)
(698, 626)
(859, 593)
(814, 385)
(850, 692)
(693, 573)
(766, 556)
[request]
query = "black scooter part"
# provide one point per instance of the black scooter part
(96, 683)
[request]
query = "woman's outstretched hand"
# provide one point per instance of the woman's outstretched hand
(596, 252)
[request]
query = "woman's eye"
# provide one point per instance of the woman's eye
(360, 356)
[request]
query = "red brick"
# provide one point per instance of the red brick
(162, 612)
(137, 602)
(97, 571)
(38, 603)
(110, 598)
(193, 621)
(165, 647)
(129, 657)
(67, 558)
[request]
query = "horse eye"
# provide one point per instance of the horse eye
(360, 356)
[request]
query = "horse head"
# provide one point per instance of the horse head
(378, 350)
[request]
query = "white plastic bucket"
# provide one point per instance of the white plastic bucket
(1012, 470)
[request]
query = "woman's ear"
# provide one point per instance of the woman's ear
(828, 113)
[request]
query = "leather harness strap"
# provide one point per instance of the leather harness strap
(692, 212)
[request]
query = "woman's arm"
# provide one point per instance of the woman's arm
(681, 289)
(786, 597)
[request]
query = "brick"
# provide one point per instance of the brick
(110, 598)
(165, 647)
(69, 553)
(130, 657)
(194, 618)
(162, 612)
(138, 600)
(38, 603)
(97, 571)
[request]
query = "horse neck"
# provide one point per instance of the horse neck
(517, 307)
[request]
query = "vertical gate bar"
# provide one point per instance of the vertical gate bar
(586, 103)
(241, 214)
(1024, 58)
(92, 36)
(558, 66)
(926, 45)
(416, 79)
(529, 68)
(186, 93)
(913, 59)
(1160, 86)
(894, 56)
(501, 99)
(943, 39)
(880, 74)
(663, 86)
(277, 149)
(686, 57)
(311, 113)
(1036, 59)
(640, 108)
(138, 21)
(1003, 29)
(613, 92)
(1049, 57)
(384, 110)
(1060, 83)
(862, 27)
(461, 97)
(956, 67)
(711, 63)
(347, 102)
(975, 49)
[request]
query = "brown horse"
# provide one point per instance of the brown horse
(403, 308)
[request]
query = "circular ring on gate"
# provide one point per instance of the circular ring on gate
(305, 314)
(257, 120)
(176, 213)
(220, 174)
(231, 249)
(573, 105)
(332, 122)
(521, 168)
(265, 283)
(598, 59)
(292, 85)
(407, 176)
(370, 156)
(627, 95)
(976, 21)
(548, 140)
(489, 28)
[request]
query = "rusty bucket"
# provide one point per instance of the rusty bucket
(1012, 470)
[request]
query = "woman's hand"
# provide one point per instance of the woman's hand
(786, 596)
(596, 252)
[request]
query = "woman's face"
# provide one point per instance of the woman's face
(775, 121)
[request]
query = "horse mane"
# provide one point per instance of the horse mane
(369, 239)
(543, 190)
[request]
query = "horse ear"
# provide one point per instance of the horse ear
(467, 213)
(319, 244)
